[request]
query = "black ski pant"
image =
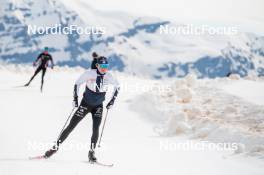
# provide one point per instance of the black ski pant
(80, 113)
(40, 68)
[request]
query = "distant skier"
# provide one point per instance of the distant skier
(95, 57)
(97, 82)
(42, 62)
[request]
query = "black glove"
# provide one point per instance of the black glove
(112, 101)
(75, 101)
(75, 97)
(110, 104)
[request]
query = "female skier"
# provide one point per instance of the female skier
(97, 81)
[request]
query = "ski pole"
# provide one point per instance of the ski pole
(65, 123)
(99, 145)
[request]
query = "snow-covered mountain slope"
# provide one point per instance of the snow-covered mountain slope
(30, 118)
(133, 44)
(221, 110)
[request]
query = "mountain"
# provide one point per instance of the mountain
(132, 44)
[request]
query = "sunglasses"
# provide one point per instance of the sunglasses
(104, 66)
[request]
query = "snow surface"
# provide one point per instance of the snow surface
(246, 89)
(129, 140)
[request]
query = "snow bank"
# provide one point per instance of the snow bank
(201, 110)
(234, 77)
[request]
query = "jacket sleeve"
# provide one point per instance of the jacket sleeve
(51, 60)
(39, 56)
(116, 85)
(82, 79)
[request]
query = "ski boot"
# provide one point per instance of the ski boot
(50, 152)
(91, 156)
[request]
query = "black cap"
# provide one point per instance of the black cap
(102, 60)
